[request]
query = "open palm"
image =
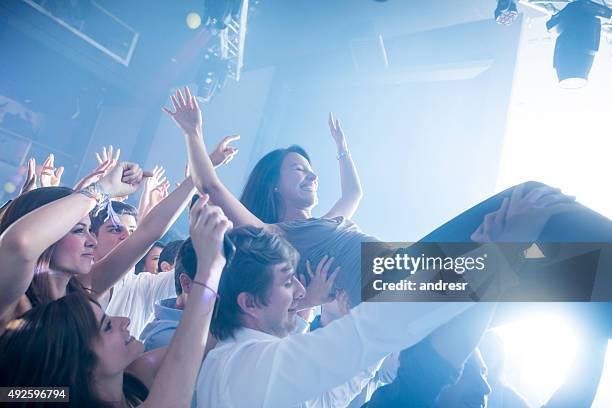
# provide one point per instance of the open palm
(186, 113)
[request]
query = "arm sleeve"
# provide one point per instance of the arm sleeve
(302, 367)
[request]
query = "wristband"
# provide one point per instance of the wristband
(206, 287)
(103, 200)
(94, 191)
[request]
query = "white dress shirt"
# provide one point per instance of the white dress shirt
(255, 369)
(136, 295)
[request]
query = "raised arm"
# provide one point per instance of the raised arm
(187, 116)
(108, 270)
(27, 238)
(349, 179)
(154, 190)
(329, 356)
(180, 367)
(23, 242)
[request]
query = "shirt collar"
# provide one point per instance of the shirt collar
(245, 334)
(165, 309)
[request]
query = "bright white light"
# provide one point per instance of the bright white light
(560, 137)
(540, 351)
(193, 20)
(573, 83)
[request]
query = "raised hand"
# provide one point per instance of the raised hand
(155, 181)
(154, 191)
(123, 179)
(186, 112)
(224, 153)
(95, 175)
(159, 193)
(337, 133)
(319, 290)
(207, 227)
(49, 175)
(522, 218)
(30, 180)
(107, 156)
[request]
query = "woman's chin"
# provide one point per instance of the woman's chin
(136, 348)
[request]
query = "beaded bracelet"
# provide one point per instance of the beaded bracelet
(103, 201)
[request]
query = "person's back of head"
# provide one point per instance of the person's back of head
(167, 257)
(250, 271)
(186, 265)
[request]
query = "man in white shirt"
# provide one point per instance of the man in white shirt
(137, 295)
(257, 364)
(123, 242)
(109, 235)
(136, 299)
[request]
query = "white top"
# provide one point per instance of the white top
(104, 300)
(136, 295)
(256, 369)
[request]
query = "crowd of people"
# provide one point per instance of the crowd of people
(259, 307)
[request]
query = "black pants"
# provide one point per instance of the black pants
(582, 225)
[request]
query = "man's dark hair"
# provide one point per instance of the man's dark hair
(250, 271)
(168, 254)
(186, 263)
(119, 207)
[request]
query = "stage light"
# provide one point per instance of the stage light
(541, 349)
(506, 12)
(9, 187)
(193, 20)
(579, 31)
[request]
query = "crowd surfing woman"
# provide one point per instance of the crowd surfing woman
(287, 186)
(70, 342)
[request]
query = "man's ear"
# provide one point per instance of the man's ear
(185, 282)
(165, 266)
(247, 304)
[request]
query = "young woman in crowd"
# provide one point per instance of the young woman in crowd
(70, 342)
(149, 262)
(34, 250)
(270, 194)
(45, 242)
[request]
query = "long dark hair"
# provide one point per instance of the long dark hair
(141, 264)
(259, 194)
(39, 290)
(52, 346)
